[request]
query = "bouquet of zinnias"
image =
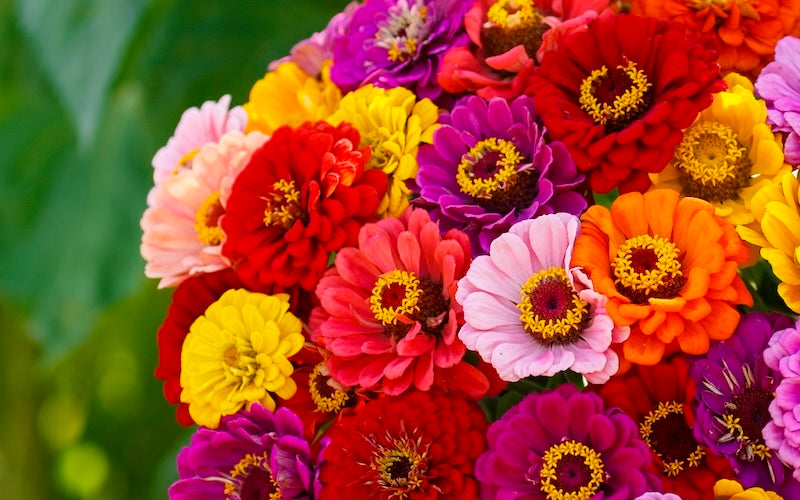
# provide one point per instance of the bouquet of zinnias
(534, 249)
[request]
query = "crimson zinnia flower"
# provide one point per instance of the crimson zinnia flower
(303, 195)
(619, 93)
(421, 445)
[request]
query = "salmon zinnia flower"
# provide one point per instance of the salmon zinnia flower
(745, 31)
(669, 268)
(619, 93)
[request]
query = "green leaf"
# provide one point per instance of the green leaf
(80, 44)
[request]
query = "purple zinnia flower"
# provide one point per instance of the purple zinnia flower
(734, 391)
(783, 432)
(252, 454)
(779, 85)
(310, 54)
(398, 43)
(564, 441)
(490, 167)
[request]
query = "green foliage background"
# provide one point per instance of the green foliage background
(89, 90)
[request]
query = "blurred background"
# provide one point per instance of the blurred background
(89, 90)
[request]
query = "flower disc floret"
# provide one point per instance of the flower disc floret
(237, 354)
(648, 266)
(604, 102)
(555, 320)
(571, 454)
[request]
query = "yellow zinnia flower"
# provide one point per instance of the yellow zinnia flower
(290, 96)
(777, 213)
(727, 155)
(393, 123)
(727, 489)
(237, 354)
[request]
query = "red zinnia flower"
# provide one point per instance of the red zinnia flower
(303, 195)
(190, 301)
(659, 399)
(422, 445)
(619, 93)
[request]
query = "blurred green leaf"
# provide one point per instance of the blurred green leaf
(80, 44)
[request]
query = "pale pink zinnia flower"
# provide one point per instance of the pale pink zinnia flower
(198, 126)
(182, 235)
(388, 315)
(529, 314)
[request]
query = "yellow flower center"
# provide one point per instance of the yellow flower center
(206, 219)
(403, 30)
(615, 98)
(328, 395)
(400, 469)
(648, 267)
(488, 167)
(666, 433)
(551, 310)
(185, 159)
(252, 475)
(513, 14)
(571, 471)
(395, 295)
(283, 205)
(712, 164)
(510, 23)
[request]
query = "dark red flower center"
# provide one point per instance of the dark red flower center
(259, 485)
(668, 435)
(551, 310)
(252, 480)
(400, 299)
(328, 395)
(648, 267)
(746, 416)
(401, 468)
(510, 23)
(615, 97)
(571, 470)
(206, 220)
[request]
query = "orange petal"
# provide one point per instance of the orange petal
(652, 322)
(636, 311)
(667, 305)
(696, 310)
(612, 308)
(722, 321)
(697, 284)
(659, 207)
(694, 339)
(642, 349)
(628, 214)
(724, 277)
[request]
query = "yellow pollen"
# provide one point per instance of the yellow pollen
(551, 329)
(244, 468)
(337, 397)
(623, 106)
(549, 477)
(648, 265)
(505, 168)
(711, 162)
(411, 464)
(400, 51)
(185, 159)
(749, 446)
(671, 467)
(513, 14)
(283, 206)
(205, 220)
(703, 4)
(395, 283)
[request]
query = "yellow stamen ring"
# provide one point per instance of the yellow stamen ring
(402, 289)
(284, 206)
(624, 106)
(550, 462)
(508, 158)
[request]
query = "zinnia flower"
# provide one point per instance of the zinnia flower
(619, 93)
(398, 43)
(735, 389)
(197, 127)
(727, 489)
(508, 37)
(393, 123)
(775, 208)
(561, 443)
(182, 236)
(528, 312)
(489, 167)
(782, 433)
(303, 195)
(237, 353)
(658, 398)
(779, 85)
(388, 313)
(744, 31)
(669, 268)
(254, 454)
(290, 96)
(418, 445)
(727, 155)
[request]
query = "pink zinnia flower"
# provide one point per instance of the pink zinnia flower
(196, 128)
(528, 312)
(388, 315)
(182, 235)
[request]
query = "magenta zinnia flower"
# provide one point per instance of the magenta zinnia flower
(529, 313)
(779, 85)
(198, 126)
(490, 166)
(782, 434)
(556, 443)
(253, 454)
(388, 314)
(735, 390)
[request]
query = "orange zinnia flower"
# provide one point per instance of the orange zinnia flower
(669, 267)
(745, 30)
